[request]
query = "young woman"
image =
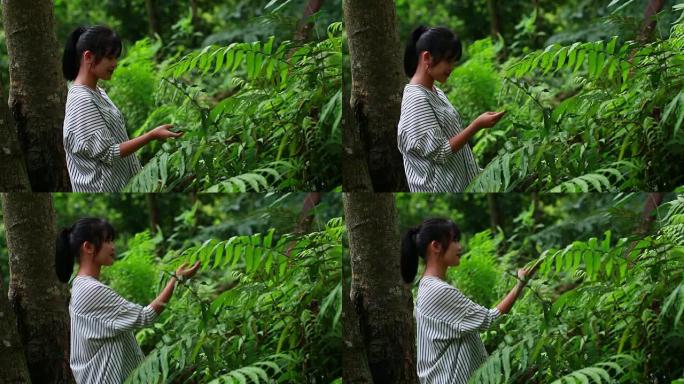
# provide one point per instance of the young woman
(449, 344)
(431, 137)
(103, 347)
(98, 152)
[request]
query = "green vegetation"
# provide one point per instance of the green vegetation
(276, 127)
(266, 304)
(254, 85)
(606, 304)
(592, 103)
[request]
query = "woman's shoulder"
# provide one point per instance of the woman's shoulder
(79, 96)
(432, 284)
(89, 286)
(415, 91)
(418, 95)
(434, 293)
(80, 281)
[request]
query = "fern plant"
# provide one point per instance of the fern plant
(604, 309)
(272, 124)
(268, 311)
(613, 123)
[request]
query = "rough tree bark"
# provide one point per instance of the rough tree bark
(38, 298)
(377, 80)
(381, 302)
(37, 91)
(355, 367)
(13, 176)
(355, 175)
(13, 368)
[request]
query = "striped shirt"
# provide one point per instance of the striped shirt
(103, 347)
(449, 344)
(93, 129)
(427, 122)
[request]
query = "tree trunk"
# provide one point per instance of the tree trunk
(306, 26)
(649, 24)
(376, 92)
(152, 17)
(355, 367)
(13, 176)
(154, 211)
(195, 15)
(37, 91)
(382, 303)
(653, 200)
(494, 21)
(355, 175)
(306, 218)
(495, 220)
(13, 368)
(38, 298)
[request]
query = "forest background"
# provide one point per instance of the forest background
(605, 306)
(255, 85)
(592, 90)
(264, 307)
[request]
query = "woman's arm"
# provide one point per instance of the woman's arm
(485, 120)
(162, 132)
(159, 303)
(523, 276)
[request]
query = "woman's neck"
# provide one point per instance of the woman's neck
(89, 269)
(86, 78)
(435, 269)
(424, 79)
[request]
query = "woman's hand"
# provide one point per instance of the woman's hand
(187, 272)
(525, 274)
(182, 272)
(488, 119)
(164, 132)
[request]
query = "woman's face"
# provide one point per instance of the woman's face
(106, 254)
(452, 256)
(442, 70)
(103, 69)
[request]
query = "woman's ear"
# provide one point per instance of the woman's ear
(435, 247)
(88, 57)
(88, 248)
(426, 57)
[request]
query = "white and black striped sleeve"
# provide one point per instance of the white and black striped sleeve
(462, 314)
(91, 137)
(422, 135)
(112, 314)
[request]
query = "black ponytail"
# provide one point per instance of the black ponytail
(442, 43)
(64, 258)
(71, 59)
(411, 53)
(409, 255)
(100, 40)
(69, 241)
(415, 242)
